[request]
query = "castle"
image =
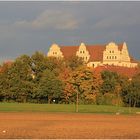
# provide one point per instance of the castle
(96, 55)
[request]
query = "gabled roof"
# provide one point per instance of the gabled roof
(69, 51)
(96, 52)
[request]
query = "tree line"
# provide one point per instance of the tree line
(42, 79)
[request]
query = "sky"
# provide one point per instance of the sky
(26, 27)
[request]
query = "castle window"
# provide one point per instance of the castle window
(110, 51)
(54, 52)
(107, 57)
(115, 57)
(110, 57)
(80, 51)
(83, 51)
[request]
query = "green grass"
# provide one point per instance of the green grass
(29, 107)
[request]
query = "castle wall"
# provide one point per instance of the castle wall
(94, 64)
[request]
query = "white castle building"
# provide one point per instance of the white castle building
(96, 55)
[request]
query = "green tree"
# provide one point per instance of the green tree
(74, 62)
(55, 64)
(50, 86)
(38, 65)
(131, 92)
(4, 85)
(18, 83)
(110, 80)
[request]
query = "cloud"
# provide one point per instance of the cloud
(117, 21)
(55, 19)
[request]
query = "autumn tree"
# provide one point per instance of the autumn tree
(68, 91)
(85, 84)
(4, 81)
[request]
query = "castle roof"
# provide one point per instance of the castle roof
(133, 60)
(69, 51)
(128, 72)
(95, 51)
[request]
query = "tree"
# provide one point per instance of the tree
(130, 92)
(68, 91)
(18, 82)
(55, 64)
(50, 86)
(38, 65)
(4, 86)
(85, 85)
(5, 66)
(109, 81)
(74, 62)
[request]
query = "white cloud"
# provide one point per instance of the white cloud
(50, 19)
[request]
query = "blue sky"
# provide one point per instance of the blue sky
(26, 27)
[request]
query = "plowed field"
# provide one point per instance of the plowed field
(68, 126)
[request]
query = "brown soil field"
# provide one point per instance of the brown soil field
(68, 126)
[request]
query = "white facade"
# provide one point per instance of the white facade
(113, 55)
(83, 52)
(55, 51)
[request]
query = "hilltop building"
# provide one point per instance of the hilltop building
(96, 55)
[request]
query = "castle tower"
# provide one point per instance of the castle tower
(55, 51)
(83, 52)
(124, 53)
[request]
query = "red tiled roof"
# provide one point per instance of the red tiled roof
(69, 51)
(133, 60)
(96, 52)
(129, 72)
